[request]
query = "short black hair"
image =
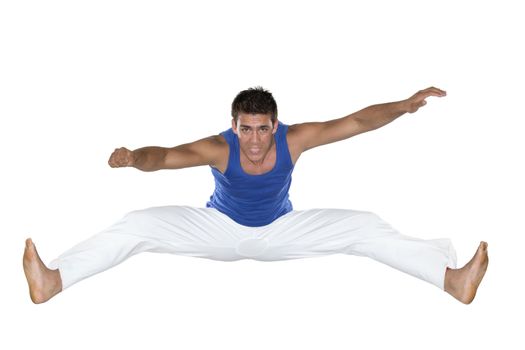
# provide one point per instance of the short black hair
(255, 100)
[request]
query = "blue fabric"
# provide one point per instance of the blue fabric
(253, 200)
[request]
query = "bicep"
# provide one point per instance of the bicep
(201, 152)
(309, 135)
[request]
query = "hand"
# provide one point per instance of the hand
(121, 157)
(418, 99)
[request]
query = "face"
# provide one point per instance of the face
(255, 132)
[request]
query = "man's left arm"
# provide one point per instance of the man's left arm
(309, 135)
(376, 116)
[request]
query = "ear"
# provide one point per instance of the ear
(234, 126)
(275, 126)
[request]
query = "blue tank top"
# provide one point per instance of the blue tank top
(253, 200)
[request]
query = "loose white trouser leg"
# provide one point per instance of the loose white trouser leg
(207, 233)
(302, 234)
(198, 232)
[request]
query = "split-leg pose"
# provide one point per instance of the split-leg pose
(249, 215)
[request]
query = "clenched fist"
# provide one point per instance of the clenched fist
(121, 157)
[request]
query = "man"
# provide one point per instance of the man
(250, 215)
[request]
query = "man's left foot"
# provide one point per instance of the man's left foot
(463, 283)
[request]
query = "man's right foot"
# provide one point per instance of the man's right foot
(463, 283)
(43, 282)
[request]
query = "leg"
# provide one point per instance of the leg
(302, 234)
(463, 283)
(198, 232)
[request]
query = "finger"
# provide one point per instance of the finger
(113, 159)
(433, 91)
(116, 159)
(433, 88)
(125, 159)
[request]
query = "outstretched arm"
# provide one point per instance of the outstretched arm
(207, 151)
(309, 135)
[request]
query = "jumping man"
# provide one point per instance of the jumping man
(249, 215)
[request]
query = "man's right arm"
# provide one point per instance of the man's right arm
(212, 151)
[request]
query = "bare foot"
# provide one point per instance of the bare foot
(43, 282)
(463, 283)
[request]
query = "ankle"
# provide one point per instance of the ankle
(453, 281)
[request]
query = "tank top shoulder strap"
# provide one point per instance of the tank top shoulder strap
(282, 149)
(233, 145)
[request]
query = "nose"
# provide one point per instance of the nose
(255, 137)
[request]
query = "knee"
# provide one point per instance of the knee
(140, 216)
(135, 214)
(368, 218)
(371, 216)
(164, 213)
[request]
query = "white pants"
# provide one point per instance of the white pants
(207, 233)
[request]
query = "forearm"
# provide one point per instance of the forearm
(149, 158)
(376, 116)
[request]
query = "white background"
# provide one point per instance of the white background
(79, 79)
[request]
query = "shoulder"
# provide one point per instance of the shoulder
(216, 146)
(217, 141)
(297, 137)
(219, 152)
(208, 144)
(209, 150)
(300, 135)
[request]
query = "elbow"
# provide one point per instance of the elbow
(363, 125)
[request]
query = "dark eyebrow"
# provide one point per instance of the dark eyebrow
(258, 126)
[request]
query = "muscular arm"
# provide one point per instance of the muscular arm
(305, 136)
(207, 151)
(149, 158)
(212, 151)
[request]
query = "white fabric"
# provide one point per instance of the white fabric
(207, 233)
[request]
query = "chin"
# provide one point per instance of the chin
(255, 158)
